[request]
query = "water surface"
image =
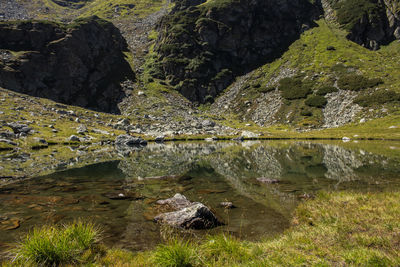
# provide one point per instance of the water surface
(207, 172)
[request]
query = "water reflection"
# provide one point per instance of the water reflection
(205, 172)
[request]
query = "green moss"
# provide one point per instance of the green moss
(355, 82)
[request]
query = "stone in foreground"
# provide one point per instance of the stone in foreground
(195, 216)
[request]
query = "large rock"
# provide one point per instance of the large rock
(19, 128)
(195, 216)
(82, 63)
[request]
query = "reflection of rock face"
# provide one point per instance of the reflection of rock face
(166, 159)
(301, 166)
(340, 163)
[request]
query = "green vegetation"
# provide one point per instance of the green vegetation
(354, 82)
(294, 88)
(175, 253)
(338, 228)
(351, 12)
(50, 245)
(316, 101)
(326, 90)
(377, 98)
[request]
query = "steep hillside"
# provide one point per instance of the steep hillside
(322, 80)
(201, 47)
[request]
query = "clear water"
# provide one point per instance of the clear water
(207, 172)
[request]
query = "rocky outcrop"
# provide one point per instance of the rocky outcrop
(371, 23)
(202, 48)
(81, 64)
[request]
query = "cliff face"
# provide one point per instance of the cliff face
(201, 48)
(370, 23)
(81, 64)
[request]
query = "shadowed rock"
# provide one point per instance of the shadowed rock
(81, 64)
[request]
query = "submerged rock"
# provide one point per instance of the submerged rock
(227, 205)
(195, 216)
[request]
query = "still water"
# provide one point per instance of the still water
(206, 172)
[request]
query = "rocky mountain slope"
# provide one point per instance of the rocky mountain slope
(253, 65)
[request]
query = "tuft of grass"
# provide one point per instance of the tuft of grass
(176, 253)
(223, 249)
(51, 245)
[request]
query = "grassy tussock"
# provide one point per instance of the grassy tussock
(51, 245)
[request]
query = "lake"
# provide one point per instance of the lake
(120, 194)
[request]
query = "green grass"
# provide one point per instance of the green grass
(50, 245)
(176, 253)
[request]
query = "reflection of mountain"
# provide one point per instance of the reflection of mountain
(301, 166)
(341, 163)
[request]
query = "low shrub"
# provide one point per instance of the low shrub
(306, 113)
(50, 245)
(264, 89)
(326, 90)
(377, 98)
(316, 101)
(355, 82)
(294, 88)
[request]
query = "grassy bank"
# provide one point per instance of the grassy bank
(335, 229)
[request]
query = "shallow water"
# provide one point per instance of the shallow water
(207, 172)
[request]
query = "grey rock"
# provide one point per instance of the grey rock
(73, 138)
(159, 139)
(208, 123)
(19, 128)
(81, 129)
(195, 216)
(176, 202)
(9, 142)
(268, 180)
